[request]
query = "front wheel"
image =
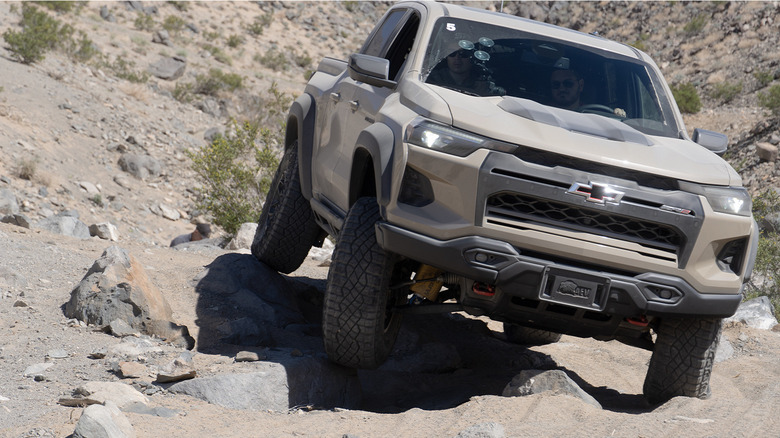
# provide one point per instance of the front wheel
(682, 359)
(286, 230)
(358, 323)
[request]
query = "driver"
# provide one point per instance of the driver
(566, 87)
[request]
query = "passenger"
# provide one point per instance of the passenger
(461, 73)
(565, 88)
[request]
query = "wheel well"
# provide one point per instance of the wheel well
(363, 179)
(291, 131)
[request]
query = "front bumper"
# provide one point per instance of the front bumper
(517, 276)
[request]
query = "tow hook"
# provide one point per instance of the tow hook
(486, 290)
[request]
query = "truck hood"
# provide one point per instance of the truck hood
(587, 136)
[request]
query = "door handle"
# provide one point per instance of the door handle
(336, 97)
(354, 104)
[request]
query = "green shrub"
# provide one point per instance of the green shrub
(726, 91)
(260, 23)
(274, 59)
(40, 33)
(764, 77)
(303, 61)
(60, 6)
(234, 41)
(217, 81)
(687, 98)
(218, 54)
(183, 92)
(26, 168)
(144, 22)
(640, 42)
(231, 169)
(173, 24)
(180, 5)
(771, 99)
(696, 24)
(767, 264)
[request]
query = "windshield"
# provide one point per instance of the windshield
(481, 59)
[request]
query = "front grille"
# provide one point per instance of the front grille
(519, 207)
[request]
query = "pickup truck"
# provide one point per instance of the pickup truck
(474, 161)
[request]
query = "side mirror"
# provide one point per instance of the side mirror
(371, 70)
(714, 141)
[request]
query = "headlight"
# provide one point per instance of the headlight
(447, 139)
(732, 200)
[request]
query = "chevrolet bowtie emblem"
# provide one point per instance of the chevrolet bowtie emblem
(597, 193)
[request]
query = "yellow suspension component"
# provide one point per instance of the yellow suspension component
(428, 286)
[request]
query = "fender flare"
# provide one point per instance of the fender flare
(300, 126)
(378, 141)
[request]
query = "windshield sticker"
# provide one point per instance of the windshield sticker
(451, 27)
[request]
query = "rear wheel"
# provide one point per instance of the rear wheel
(682, 359)
(518, 334)
(358, 322)
(286, 230)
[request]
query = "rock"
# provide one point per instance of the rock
(140, 166)
(105, 231)
(169, 213)
(244, 237)
(279, 385)
(483, 430)
(103, 421)
(724, 351)
(132, 370)
(123, 181)
(8, 203)
(57, 354)
(37, 370)
(162, 37)
(90, 188)
(756, 313)
(119, 393)
(120, 328)
(766, 152)
(65, 225)
(117, 287)
(168, 69)
(19, 220)
(247, 356)
(530, 382)
(213, 133)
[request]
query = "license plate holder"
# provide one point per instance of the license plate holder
(574, 288)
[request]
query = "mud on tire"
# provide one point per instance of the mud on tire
(359, 327)
(518, 334)
(286, 229)
(682, 359)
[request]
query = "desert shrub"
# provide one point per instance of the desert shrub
(771, 99)
(144, 22)
(687, 98)
(124, 69)
(211, 36)
(260, 23)
(234, 171)
(181, 6)
(25, 169)
(273, 59)
(173, 24)
(764, 77)
(234, 41)
(218, 54)
(83, 49)
(767, 267)
(696, 25)
(640, 42)
(39, 34)
(61, 6)
(303, 61)
(351, 5)
(726, 91)
(183, 92)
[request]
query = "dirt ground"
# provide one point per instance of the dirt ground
(745, 398)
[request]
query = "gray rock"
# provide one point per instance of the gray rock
(8, 204)
(162, 37)
(213, 133)
(140, 166)
(210, 106)
(766, 152)
(724, 351)
(169, 213)
(37, 370)
(117, 287)
(168, 69)
(483, 430)
(103, 421)
(12, 278)
(65, 225)
(105, 231)
(19, 220)
(120, 328)
(243, 238)
(280, 385)
(530, 382)
(756, 313)
(118, 393)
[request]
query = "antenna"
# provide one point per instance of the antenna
(502, 7)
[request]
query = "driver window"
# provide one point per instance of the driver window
(382, 35)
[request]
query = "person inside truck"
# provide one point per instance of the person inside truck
(566, 86)
(458, 71)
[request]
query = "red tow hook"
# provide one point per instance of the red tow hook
(638, 321)
(483, 289)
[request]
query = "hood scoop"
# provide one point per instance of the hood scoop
(589, 124)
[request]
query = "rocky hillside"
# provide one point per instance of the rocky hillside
(64, 125)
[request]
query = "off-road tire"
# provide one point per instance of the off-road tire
(286, 230)
(682, 359)
(359, 327)
(518, 334)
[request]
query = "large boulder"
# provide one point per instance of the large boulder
(140, 166)
(8, 203)
(117, 287)
(65, 225)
